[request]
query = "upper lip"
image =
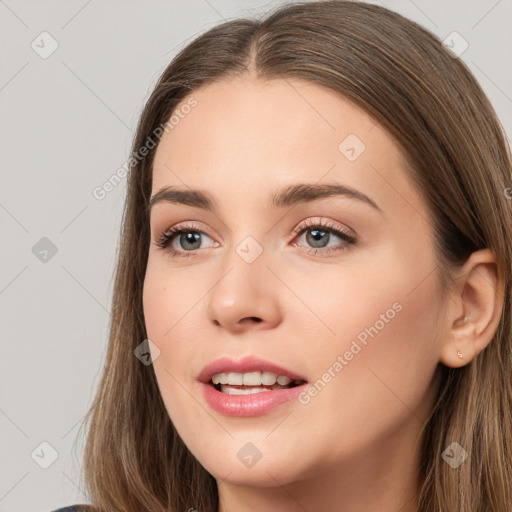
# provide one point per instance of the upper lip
(246, 364)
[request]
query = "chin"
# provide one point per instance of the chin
(239, 462)
(260, 475)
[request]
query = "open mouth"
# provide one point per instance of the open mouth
(230, 386)
(249, 387)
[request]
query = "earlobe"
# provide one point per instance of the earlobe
(475, 310)
(459, 348)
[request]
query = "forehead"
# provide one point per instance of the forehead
(246, 116)
(251, 136)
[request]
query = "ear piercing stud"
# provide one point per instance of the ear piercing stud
(464, 320)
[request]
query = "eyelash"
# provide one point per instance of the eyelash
(166, 239)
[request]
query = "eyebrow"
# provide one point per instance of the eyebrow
(286, 197)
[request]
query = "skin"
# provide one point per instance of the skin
(355, 446)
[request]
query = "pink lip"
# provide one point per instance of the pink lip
(246, 405)
(246, 364)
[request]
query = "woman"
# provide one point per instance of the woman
(312, 307)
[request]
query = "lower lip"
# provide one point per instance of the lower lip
(249, 405)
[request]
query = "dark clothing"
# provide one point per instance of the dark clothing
(74, 508)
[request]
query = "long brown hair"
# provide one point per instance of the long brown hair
(459, 160)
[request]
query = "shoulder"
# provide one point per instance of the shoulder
(76, 508)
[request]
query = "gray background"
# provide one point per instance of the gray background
(66, 126)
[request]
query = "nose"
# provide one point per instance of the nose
(245, 297)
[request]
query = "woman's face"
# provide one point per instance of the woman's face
(340, 290)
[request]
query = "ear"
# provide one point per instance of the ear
(475, 309)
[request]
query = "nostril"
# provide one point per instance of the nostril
(251, 319)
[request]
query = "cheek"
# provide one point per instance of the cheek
(156, 306)
(162, 313)
(387, 300)
(169, 298)
(172, 325)
(379, 364)
(171, 304)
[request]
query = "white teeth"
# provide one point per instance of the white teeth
(250, 379)
(235, 379)
(268, 378)
(241, 391)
